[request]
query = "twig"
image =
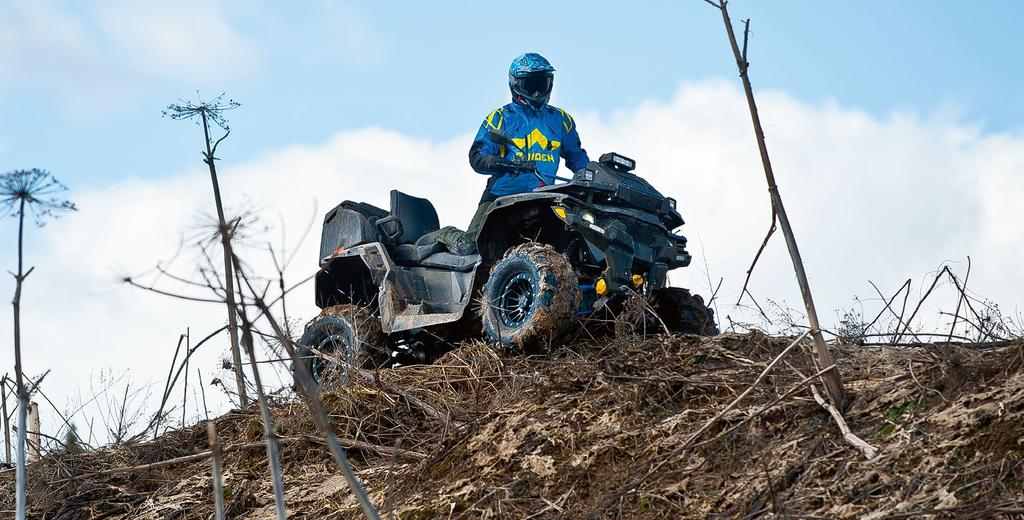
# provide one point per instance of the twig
(347, 442)
(67, 420)
(34, 385)
(646, 307)
(796, 388)
(218, 485)
(6, 418)
(869, 451)
(925, 334)
(959, 302)
(202, 390)
(888, 304)
(910, 365)
(927, 293)
(714, 294)
(133, 283)
(181, 367)
(184, 393)
(366, 375)
(167, 384)
(981, 345)
(759, 309)
(714, 420)
(903, 311)
(970, 307)
(764, 243)
(426, 407)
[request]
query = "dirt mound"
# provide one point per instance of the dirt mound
(578, 432)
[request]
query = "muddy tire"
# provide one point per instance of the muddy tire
(348, 333)
(531, 297)
(683, 312)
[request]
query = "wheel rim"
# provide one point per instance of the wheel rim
(335, 343)
(516, 301)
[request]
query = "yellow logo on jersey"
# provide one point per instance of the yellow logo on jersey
(534, 138)
(542, 157)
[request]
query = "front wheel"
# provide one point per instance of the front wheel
(531, 295)
(683, 312)
(347, 335)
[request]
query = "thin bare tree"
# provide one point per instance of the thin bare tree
(310, 394)
(6, 418)
(269, 430)
(833, 383)
(24, 192)
(254, 306)
(218, 479)
(205, 112)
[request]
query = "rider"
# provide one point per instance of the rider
(545, 133)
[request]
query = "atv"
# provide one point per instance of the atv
(395, 288)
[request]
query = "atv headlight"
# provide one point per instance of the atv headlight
(588, 216)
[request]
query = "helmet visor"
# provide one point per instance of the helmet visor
(537, 85)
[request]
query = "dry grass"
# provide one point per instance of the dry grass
(482, 435)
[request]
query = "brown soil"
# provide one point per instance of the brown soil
(573, 434)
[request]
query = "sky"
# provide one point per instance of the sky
(894, 127)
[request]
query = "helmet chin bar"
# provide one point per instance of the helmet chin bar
(528, 102)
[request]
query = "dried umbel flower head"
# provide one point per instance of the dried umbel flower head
(212, 109)
(34, 191)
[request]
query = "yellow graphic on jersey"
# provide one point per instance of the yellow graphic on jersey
(533, 139)
(567, 121)
(540, 157)
(494, 119)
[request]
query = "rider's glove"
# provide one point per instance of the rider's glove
(518, 166)
(513, 167)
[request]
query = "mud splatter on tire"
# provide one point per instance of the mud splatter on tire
(348, 332)
(531, 297)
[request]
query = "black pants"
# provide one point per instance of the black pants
(478, 219)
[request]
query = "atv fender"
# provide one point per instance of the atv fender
(494, 228)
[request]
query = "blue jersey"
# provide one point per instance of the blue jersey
(545, 136)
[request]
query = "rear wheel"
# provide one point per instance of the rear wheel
(531, 295)
(347, 335)
(683, 312)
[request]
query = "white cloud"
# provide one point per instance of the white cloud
(177, 39)
(40, 44)
(95, 54)
(878, 199)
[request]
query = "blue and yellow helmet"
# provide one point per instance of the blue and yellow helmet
(530, 78)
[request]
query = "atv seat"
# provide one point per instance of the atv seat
(418, 216)
(433, 255)
(422, 243)
(410, 254)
